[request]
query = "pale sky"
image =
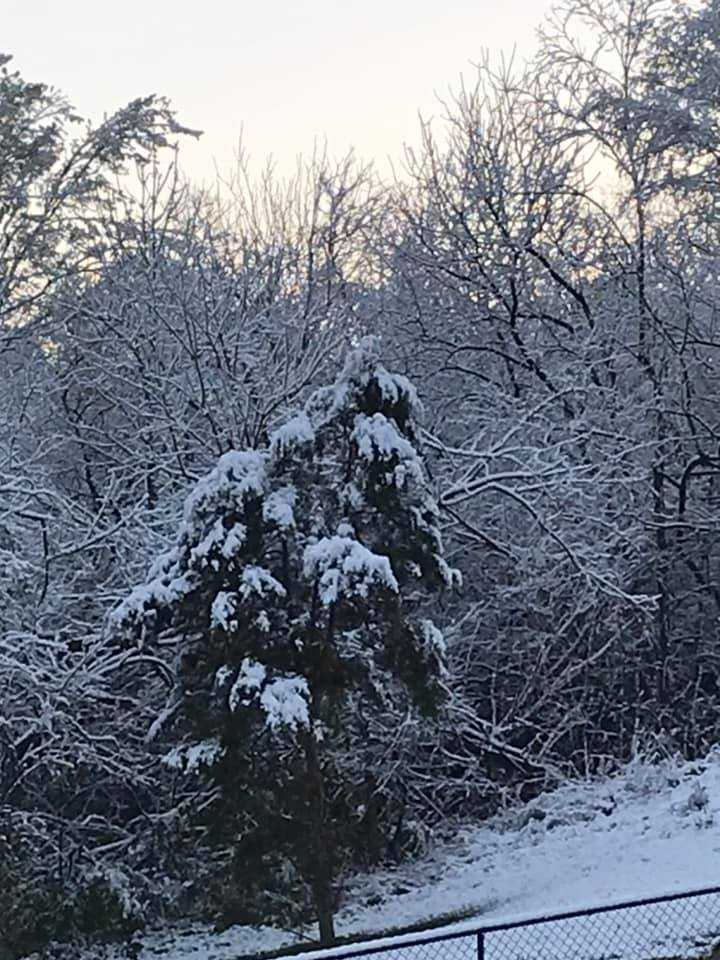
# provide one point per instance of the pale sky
(285, 72)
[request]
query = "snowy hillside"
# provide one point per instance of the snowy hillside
(650, 831)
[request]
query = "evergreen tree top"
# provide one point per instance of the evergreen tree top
(299, 571)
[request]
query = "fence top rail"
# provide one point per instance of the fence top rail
(385, 945)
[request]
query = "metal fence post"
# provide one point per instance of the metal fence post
(481, 945)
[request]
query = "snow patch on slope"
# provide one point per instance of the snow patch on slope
(652, 830)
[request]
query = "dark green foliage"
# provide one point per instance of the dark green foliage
(296, 590)
(36, 909)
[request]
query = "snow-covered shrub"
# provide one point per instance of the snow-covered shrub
(105, 903)
(647, 774)
(37, 908)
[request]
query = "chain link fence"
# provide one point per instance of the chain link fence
(677, 927)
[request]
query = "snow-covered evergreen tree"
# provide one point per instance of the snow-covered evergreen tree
(296, 589)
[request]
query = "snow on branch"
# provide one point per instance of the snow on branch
(345, 567)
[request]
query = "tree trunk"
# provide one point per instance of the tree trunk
(326, 919)
(321, 879)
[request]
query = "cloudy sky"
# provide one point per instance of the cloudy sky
(284, 72)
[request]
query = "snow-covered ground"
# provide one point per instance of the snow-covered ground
(653, 830)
